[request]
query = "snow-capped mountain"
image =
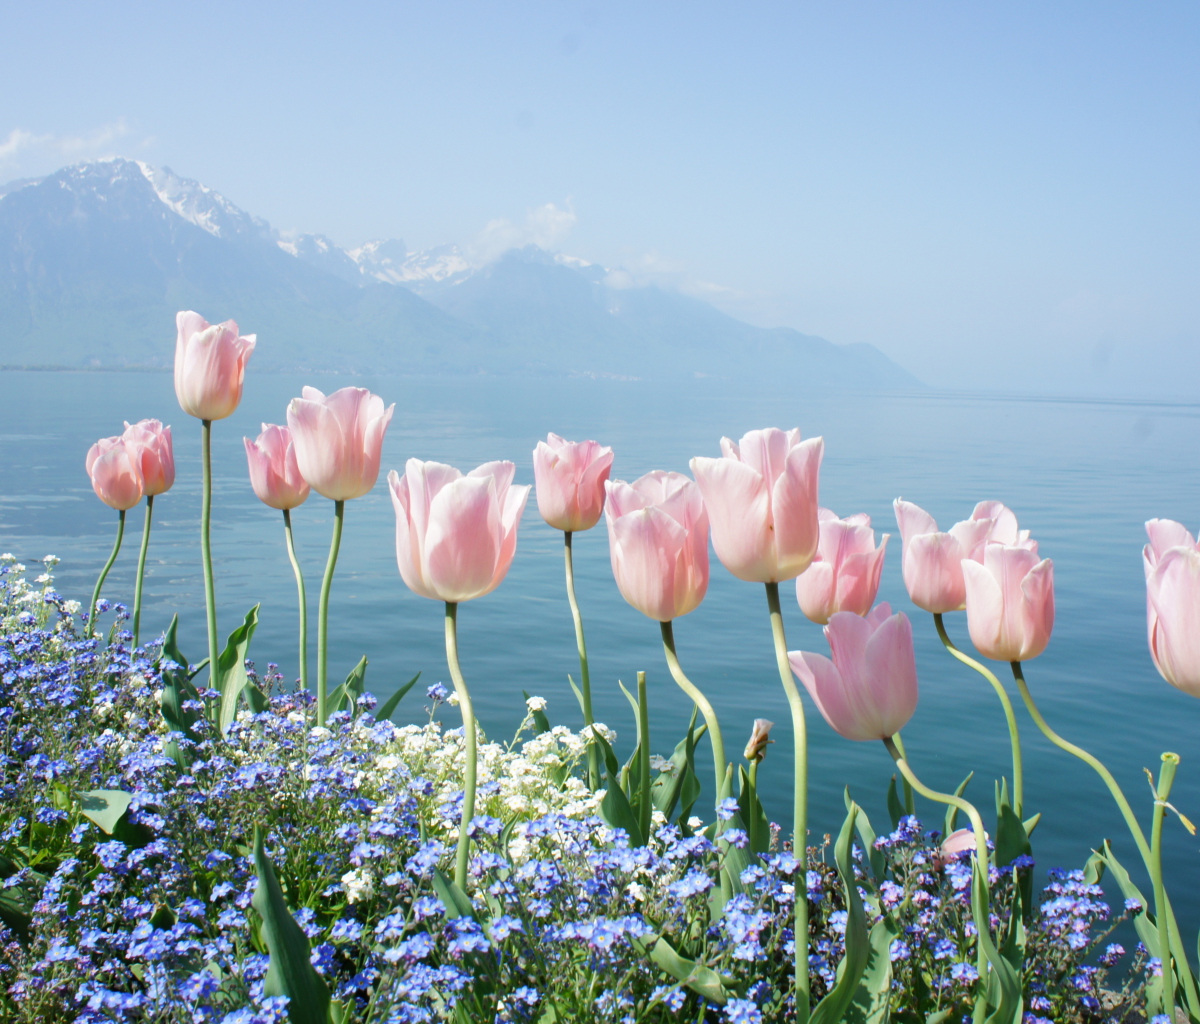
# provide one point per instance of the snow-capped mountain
(96, 258)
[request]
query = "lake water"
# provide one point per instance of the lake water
(1083, 476)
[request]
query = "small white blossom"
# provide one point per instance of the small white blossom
(71, 607)
(536, 703)
(661, 764)
(359, 885)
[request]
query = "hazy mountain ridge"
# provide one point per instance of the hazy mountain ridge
(96, 258)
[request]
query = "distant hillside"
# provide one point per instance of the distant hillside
(96, 259)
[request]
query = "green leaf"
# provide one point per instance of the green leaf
(177, 687)
(704, 981)
(617, 812)
(669, 787)
(951, 810)
(1030, 824)
(345, 695)
(866, 833)
(1003, 980)
(290, 972)
(833, 1007)
(1012, 842)
(894, 806)
(105, 807)
(456, 902)
(389, 705)
(540, 721)
(610, 759)
(872, 1000)
(1144, 923)
(231, 668)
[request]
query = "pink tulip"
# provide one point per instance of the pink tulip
(658, 542)
(762, 499)
(455, 535)
(1010, 602)
(155, 454)
(869, 690)
(274, 472)
(339, 440)
(210, 364)
(1172, 564)
(570, 479)
(116, 474)
(932, 561)
(844, 577)
(954, 844)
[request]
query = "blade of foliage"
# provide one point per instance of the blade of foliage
(106, 807)
(1012, 842)
(866, 833)
(540, 722)
(870, 1003)
(704, 981)
(833, 1007)
(345, 695)
(231, 668)
(951, 810)
(177, 687)
(389, 706)
(1003, 979)
(894, 806)
(752, 811)
(456, 902)
(670, 787)
(290, 972)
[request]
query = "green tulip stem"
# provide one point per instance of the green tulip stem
(799, 799)
(646, 808)
(141, 570)
(104, 572)
(1009, 714)
(751, 811)
(1135, 830)
(339, 509)
(585, 678)
(470, 766)
(1166, 777)
(210, 592)
(291, 549)
(910, 805)
(980, 901)
(701, 701)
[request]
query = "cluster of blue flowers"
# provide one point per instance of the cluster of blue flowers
(147, 916)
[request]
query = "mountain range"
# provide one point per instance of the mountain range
(96, 258)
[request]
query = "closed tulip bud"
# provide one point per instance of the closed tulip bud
(761, 497)
(210, 364)
(844, 577)
(956, 842)
(932, 561)
(760, 736)
(274, 472)
(455, 535)
(1172, 564)
(658, 543)
(155, 454)
(116, 473)
(339, 440)
(570, 478)
(868, 691)
(1010, 602)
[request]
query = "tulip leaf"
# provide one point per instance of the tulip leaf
(757, 824)
(951, 810)
(106, 807)
(1003, 980)
(833, 1007)
(617, 812)
(540, 722)
(866, 833)
(894, 806)
(1012, 842)
(389, 706)
(1029, 824)
(456, 902)
(606, 750)
(231, 674)
(670, 787)
(344, 696)
(177, 688)
(290, 972)
(871, 1002)
(704, 981)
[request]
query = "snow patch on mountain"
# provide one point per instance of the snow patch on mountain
(203, 206)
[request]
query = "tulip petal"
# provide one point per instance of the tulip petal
(461, 544)
(933, 573)
(739, 510)
(795, 502)
(912, 520)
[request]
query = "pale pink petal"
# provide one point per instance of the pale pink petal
(739, 512)
(463, 539)
(815, 589)
(912, 520)
(1037, 592)
(408, 541)
(644, 547)
(890, 675)
(795, 503)
(985, 611)
(933, 574)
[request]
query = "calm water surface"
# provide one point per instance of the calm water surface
(1082, 476)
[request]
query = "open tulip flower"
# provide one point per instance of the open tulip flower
(1010, 601)
(868, 691)
(761, 497)
(658, 542)
(274, 471)
(570, 478)
(932, 561)
(844, 577)
(339, 439)
(155, 454)
(1172, 564)
(456, 534)
(210, 365)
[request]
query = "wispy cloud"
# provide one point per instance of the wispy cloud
(545, 226)
(652, 268)
(26, 151)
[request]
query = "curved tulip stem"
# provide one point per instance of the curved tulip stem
(470, 766)
(701, 701)
(291, 548)
(104, 572)
(141, 570)
(980, 898)
(1009, 715)
(909, 802)
(1164, 910)
(339, 508)
(799, 797)
(585, 679)
(1166, 777)
(210, 593)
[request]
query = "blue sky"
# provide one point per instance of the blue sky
(994, 194)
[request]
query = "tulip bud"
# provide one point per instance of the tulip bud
(155, 454)
(115, 471)
(844, 577)
(274, 472)
(658, 543)
(760, 736)
(761, 496)
(955, 843)
(339, 440)
(1172, 564)
(210, 364)
(1010, 602)
(456, 535)
(570, 479)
